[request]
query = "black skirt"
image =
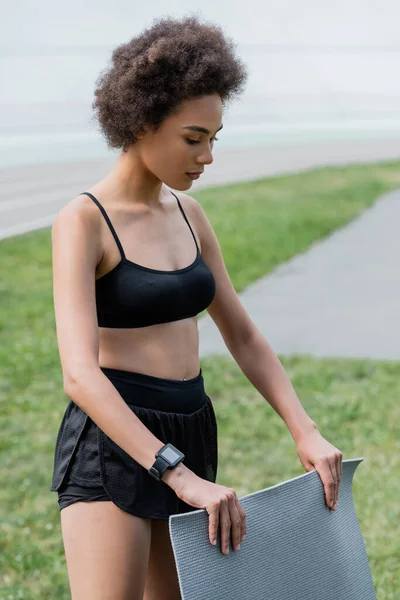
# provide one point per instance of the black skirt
(174, 410)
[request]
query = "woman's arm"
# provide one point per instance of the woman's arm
(76, 250)
(261, 365)
(243, 339)
(264, 370)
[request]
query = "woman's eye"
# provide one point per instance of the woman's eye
(198, 141)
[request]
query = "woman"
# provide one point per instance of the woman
(133, 266)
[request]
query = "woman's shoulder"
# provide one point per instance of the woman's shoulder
(80, 208)
(191, 206)
(78, 222)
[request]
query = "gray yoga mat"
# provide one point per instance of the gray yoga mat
(296, 548)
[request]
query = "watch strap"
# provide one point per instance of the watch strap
(158, 468)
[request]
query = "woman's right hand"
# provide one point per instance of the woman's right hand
(222, 505)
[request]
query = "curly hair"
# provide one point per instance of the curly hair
(149, 76)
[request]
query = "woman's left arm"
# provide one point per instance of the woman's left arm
(260, 364)
(264, 370)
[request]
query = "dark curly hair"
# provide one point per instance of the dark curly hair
(149, 76)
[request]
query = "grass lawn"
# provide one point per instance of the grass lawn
(259, 225)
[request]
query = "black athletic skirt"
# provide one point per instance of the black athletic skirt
(88, 465)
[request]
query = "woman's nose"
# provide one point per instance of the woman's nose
(206, 157)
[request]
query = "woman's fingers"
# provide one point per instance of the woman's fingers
(330, 476)
(213, 522)
(242, 515)
(228, 515)
(236, 528)
(225, 524)
(233, 522)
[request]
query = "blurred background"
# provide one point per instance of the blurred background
(318, 70)
(304, 197)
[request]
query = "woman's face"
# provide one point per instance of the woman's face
(174, 150)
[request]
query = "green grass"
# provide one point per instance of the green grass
(259, 225)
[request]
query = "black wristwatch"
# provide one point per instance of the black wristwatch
(166, 458)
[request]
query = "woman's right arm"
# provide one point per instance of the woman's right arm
(76, 250)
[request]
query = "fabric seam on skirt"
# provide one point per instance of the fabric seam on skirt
(59, 446)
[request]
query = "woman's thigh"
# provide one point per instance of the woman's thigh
(162, 578)
(107, 551)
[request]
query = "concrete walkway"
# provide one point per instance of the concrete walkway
(31, 196)
(341, 298)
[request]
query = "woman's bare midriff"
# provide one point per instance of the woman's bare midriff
(168, 350)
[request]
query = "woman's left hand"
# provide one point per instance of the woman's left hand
(315, 452)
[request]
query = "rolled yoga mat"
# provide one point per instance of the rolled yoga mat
(296, 548)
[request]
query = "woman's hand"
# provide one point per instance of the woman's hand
(220, 502)
(315, 452)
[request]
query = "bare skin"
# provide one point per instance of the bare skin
(107, 551)
(112, 554)
(162, 577)
(127, 556)
(154, 234)
(149, 349)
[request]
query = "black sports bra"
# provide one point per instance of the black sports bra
(131, 295)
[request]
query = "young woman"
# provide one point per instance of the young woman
(133, 266)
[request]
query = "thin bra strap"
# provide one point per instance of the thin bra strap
(186, 219)
(105, 215)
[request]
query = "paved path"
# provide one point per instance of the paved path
(31, 196)
(341, 298)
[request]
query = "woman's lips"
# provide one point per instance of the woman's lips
(193, 175)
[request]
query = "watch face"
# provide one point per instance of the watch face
(170, 455)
